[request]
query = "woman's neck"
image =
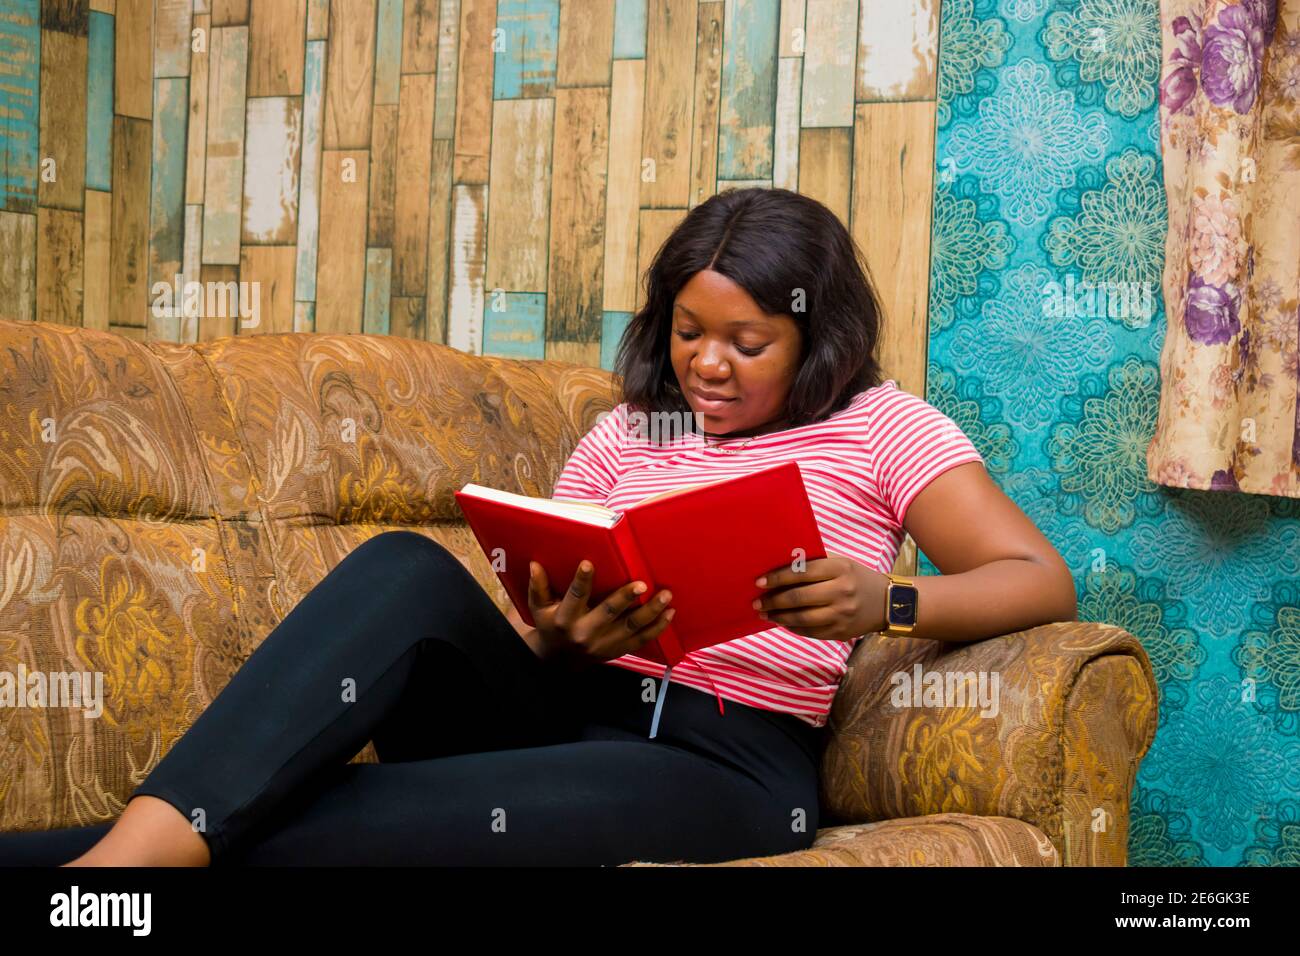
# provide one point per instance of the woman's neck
(764, 429)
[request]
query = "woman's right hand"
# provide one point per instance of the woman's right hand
(617, 626)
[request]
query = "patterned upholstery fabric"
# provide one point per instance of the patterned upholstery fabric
(163, 506)
(944, 839)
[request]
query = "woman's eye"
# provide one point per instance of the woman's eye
(688, 336)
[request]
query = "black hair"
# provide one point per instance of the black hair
(774, 244)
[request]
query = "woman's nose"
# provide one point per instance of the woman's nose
(709, 361)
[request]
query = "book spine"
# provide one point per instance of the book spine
(670, 645)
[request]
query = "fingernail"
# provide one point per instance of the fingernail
(638, 588)
(665, 598)
(757, 605)
(586, 567)
(762, 582)
(668, 615)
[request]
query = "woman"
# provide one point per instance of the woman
(500, 743)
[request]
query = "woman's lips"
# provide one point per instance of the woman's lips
(710, 404)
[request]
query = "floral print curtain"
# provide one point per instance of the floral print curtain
(1229, 415)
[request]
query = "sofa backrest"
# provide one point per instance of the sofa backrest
(163, 506)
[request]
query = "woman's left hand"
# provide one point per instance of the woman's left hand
(833, 599)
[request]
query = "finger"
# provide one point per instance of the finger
(645, 614)
(617, 602)
(574, 603)
(802, 595)
(656, 627)
(805, 617)
(817, 569)
(539, 588)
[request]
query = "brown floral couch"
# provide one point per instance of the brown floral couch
(162, 506)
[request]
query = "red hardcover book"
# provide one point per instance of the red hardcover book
(706, 543)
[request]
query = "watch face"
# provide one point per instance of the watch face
(902, 605)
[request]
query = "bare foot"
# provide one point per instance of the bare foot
(150, 832)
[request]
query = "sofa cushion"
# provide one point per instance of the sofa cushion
(942, 839)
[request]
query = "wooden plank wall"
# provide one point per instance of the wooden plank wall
(493, 174)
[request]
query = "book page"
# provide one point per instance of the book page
(587, 512)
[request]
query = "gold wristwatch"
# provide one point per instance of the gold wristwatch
(901, 599)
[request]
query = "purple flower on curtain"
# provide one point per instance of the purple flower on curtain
(1211, 311)
(1223, 480)
(1234, 49)
(1245, 357)
(1179, 86)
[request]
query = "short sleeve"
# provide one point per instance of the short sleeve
(592, 469)
(912, 444)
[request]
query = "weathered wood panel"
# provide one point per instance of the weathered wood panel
(313, 113)
(18, 278)
(272, 159)
(708, 87)
(467, 261)
(785, 157)
(276, 47)
(230, 13)
(388, 52)
(266, 277)
(576, 282)
(828, 82)
(440, 199)
(20, 64)
(172, 22)
(220, 301)
(474, 93)
(98, 258)
(898, 45)
(411, 224)
(60, 245)
(419, 29)
(341, 258)
(623, 188)
(586, 43)
(890, 220)
(129, 260)
(133, 59)
(224, 178)
(826, 167)
(406, 316)
(666, 126)
(383, 176)
(167, 198)
(519, 210)
(64, 61)
(99, 102)
(528, 34)
(655, 226)
(350, 75)
(748, 90)
(444, 121)
(379, 271)
(196, 138)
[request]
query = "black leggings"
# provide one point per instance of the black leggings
(488, 754)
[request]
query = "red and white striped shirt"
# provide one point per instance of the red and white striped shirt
(861, 467)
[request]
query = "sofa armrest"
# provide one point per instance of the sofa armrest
(1068, 712)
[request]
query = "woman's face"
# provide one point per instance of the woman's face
(741, 358)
